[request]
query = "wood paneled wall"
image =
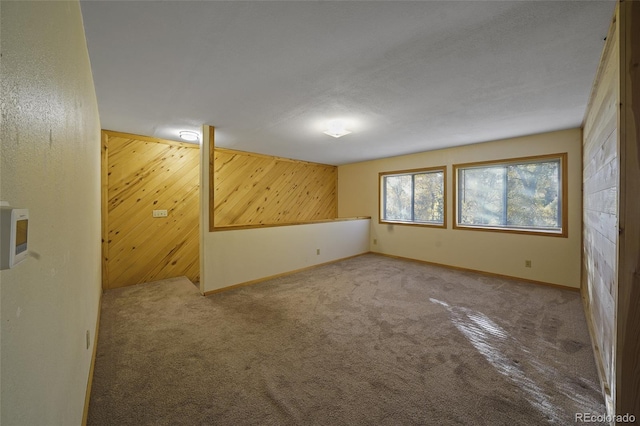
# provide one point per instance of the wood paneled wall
(600, 204)
(252, 189)
(628, 304)
(142, 174)
(611, 231)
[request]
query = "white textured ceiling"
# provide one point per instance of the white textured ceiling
(406, 76)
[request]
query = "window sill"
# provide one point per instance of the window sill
(421, 224)
(522, 231)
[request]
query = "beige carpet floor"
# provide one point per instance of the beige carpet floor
(366, 341)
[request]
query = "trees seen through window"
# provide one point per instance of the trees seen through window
(515, 195)
(415, 197)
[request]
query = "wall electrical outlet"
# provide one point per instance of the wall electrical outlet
(375, 241)
(88, 339)
(160, 213)
(527, 264)
(317, 251)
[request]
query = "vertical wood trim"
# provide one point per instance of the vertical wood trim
(444, 196)
(454, 197)
(615, 383)
(564, 163)
(335, 186)
(104, 192)
(87, 395)
(627, 390)
(205, 207)
(381, 197)
(212, 155)
(582, 258)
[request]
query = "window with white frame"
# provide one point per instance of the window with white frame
(415, 197)
(524, 195)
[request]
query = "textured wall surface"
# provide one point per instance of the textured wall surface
(240, 256)
(50, 164)
(554, 260)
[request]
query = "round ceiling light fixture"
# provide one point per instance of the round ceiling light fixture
(189, 136)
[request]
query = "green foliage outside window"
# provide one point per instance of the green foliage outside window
(416, 197)
(521, 195)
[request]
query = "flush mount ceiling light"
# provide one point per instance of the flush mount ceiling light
(336, 128)
(189, 136)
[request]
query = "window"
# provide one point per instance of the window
(523, 195)
(415, 197)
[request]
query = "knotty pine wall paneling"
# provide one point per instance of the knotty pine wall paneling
(611, 213)
(600, 177)
(145, 174)
(252, 189)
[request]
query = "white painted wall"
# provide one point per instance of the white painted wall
(244, 255)
(554, 260)
(50, 164)
(236, 256)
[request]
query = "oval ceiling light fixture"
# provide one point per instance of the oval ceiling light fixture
(336, 129)
(189, 136)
